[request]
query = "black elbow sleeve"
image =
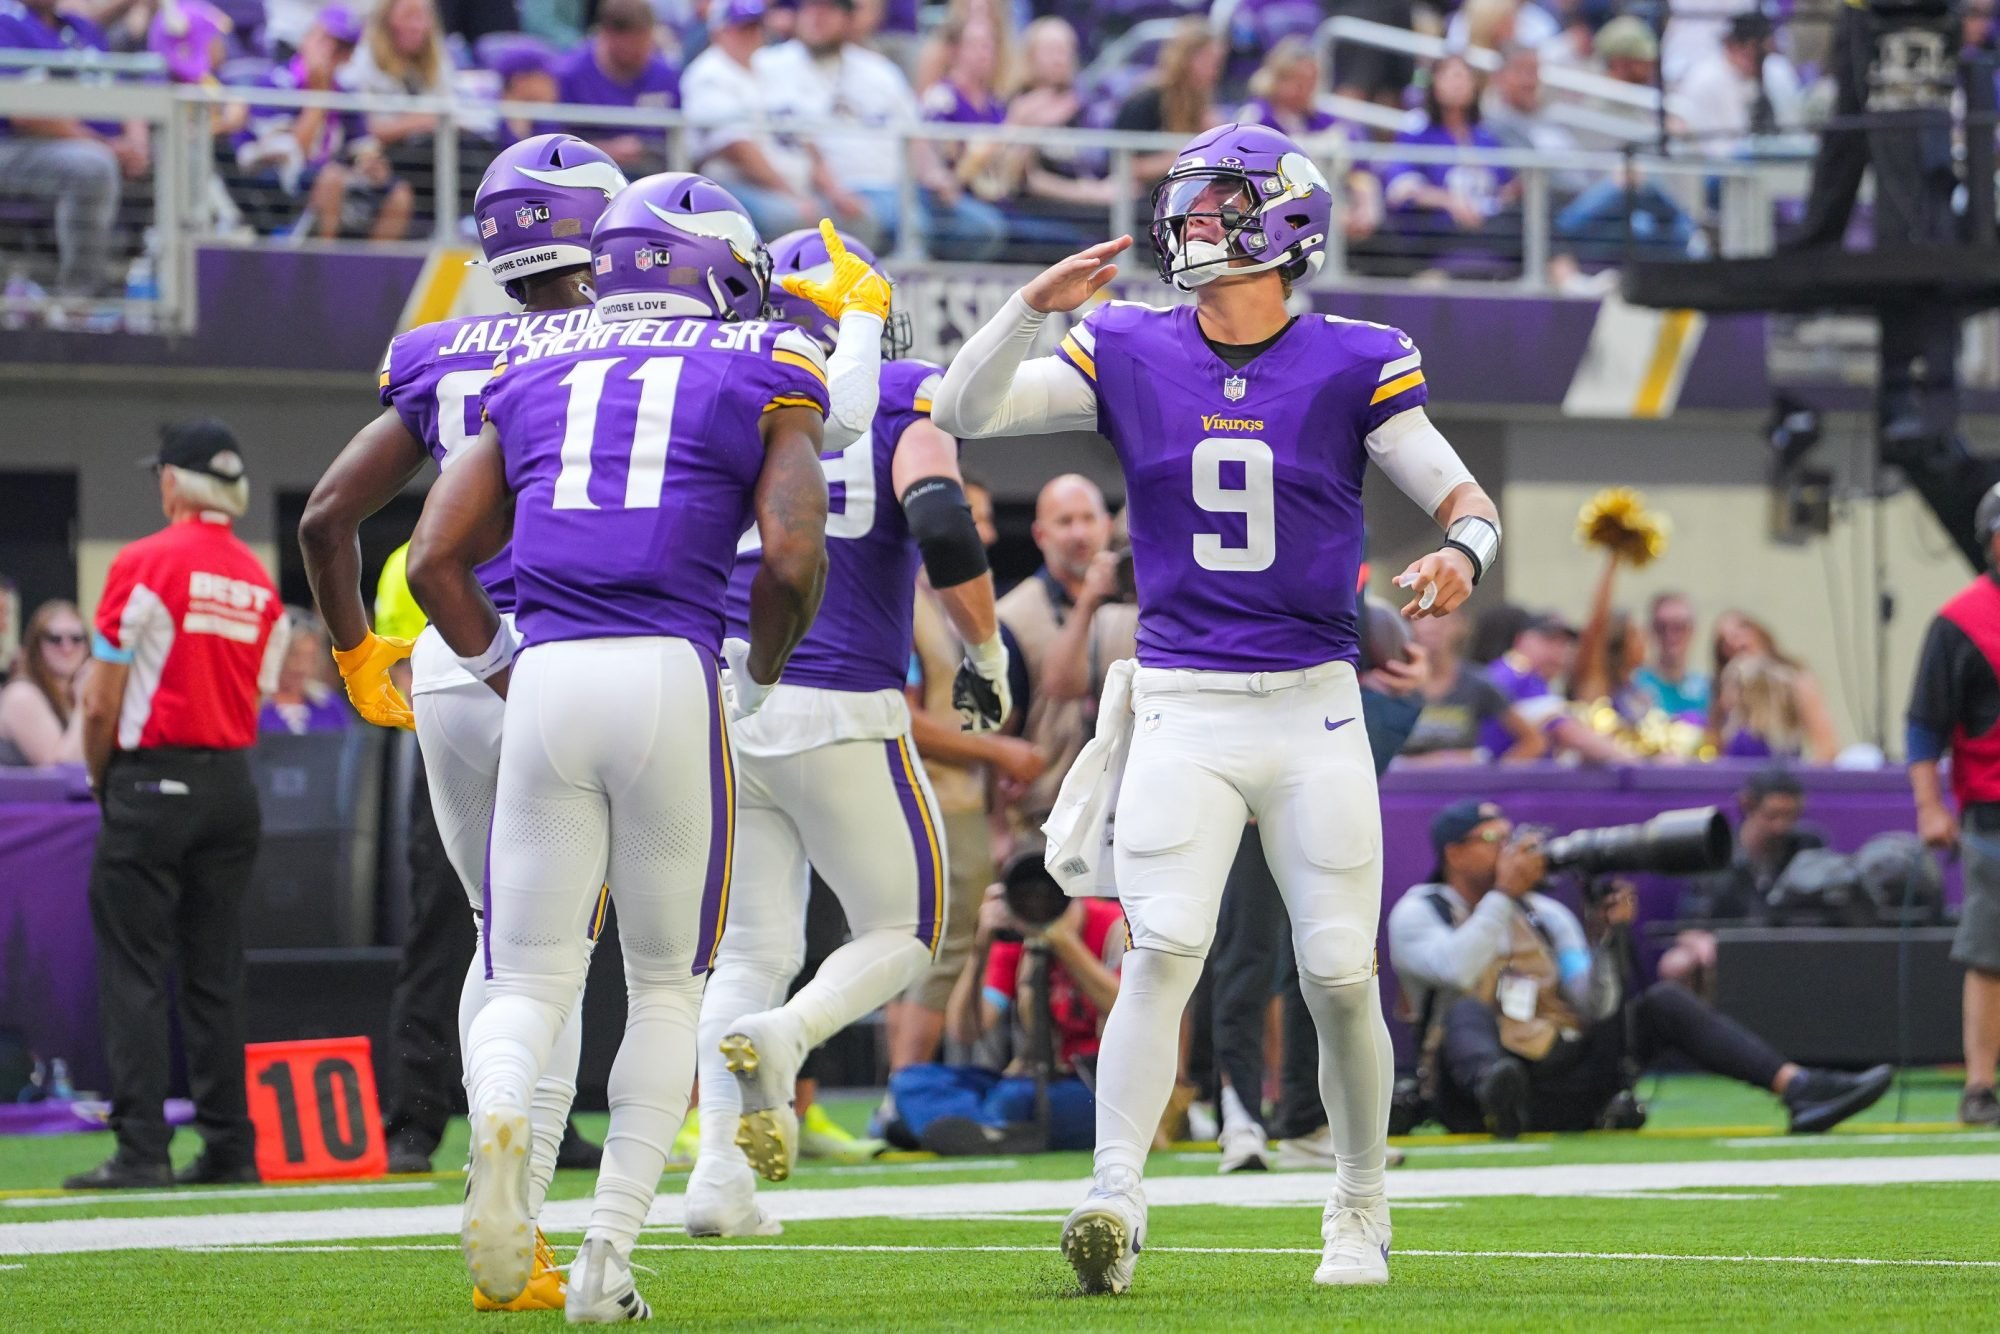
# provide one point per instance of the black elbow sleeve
(941, 521)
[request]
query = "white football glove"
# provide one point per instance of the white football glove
(979, 692)
(744, 693)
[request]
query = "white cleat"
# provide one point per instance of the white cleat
(764, 1054)
(1244, 1149)
(1312, 1152)
(600, 1288)
(495, 1232)
(1357, 1245)
(1102, 1237)
(723, 1203)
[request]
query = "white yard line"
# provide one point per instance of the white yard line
(1845, 1141)
(75, 1198)
(1683, 1195)
(774, 1247)
(1305, 1189)
(941, 1165)
(1469, 1150)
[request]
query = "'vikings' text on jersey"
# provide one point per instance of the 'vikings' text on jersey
(433, 377)
(633, 451)
(861, 638)
(1244, 486)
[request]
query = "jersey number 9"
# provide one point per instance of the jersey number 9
(1253, 499)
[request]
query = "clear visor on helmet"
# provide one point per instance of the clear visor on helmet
(1223, 196)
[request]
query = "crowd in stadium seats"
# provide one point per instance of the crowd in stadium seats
(1735, 88)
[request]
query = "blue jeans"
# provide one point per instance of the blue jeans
(1600, 214)
(923, 1093)
(774, 213)
(968, 229)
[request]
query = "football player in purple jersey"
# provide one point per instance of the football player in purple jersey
(631, 454)
(535, 208)
(828, 774)
(1243, 432)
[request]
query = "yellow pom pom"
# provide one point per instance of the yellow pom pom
(1617, 520)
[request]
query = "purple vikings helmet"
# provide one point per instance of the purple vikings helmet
(678, 244)
(1272, 206)
(537, 204)
(803, 254)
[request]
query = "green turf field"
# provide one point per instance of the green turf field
(1709, 1219)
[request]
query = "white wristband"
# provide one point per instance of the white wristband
(499, 655)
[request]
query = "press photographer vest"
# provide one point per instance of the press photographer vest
(1530, 954)
(1975, 760)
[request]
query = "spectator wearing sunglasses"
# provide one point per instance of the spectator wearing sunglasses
(40, 722)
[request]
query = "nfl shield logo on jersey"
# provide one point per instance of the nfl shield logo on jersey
(524, 216)
(1235, 387)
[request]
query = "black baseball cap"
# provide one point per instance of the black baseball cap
(1455, 823)
(203, 445)
(1549, 623)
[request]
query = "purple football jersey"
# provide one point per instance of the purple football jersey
(1477, 182)
(434, 376)
(633, 451)
(861, 638)
(1243, 486)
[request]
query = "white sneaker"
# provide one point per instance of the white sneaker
(722, 1202)
(1357, 1245)
(1244, 1149)
(600, 1287)
(495, 1232)
(1314, 1153)
(1102, 1237)
(1202, 1123)
(764, 1052)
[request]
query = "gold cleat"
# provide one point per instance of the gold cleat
(545, 1285)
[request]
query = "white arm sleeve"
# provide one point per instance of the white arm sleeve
(1418, 459)
(989, 390)
(853, 379)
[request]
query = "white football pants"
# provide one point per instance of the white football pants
(616, 766)
(1209, 751)
(862, 814)
(458, 731)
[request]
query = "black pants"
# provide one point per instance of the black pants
(167, 886)
(423, 1013)
(1569, 1087)
(1252, 956)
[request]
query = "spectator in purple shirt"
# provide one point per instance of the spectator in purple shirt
(285, 154)
(73, 164)
(527, 73)
(1526, 674)
(1283, 95)
(1468, 194)
(303, 702)
(620, 65)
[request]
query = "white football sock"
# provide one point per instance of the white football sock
(1357, 1072)
(649, 1088)
(553, 1093)
(1138, 1057)
(867, 972)
(736, 987)
(1235, 1116)
(508, 1048)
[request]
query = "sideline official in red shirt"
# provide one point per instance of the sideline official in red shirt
(189, 636)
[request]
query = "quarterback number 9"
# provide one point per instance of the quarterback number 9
(1252, 499)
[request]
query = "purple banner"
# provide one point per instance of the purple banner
(48, 962)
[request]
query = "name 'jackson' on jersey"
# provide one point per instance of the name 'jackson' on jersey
(861, 638)
(434, 376)
(1243, 486)
(633, 452)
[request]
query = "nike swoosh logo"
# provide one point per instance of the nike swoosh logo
(1333, 726)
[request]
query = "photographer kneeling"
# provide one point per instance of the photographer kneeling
(1031, 1036)
(1522, 1017)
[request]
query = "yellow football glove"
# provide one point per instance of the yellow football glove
(853, 286)
(365, 669)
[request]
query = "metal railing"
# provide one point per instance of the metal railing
(192, 203)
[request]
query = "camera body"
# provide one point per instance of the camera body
(1032, 894)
